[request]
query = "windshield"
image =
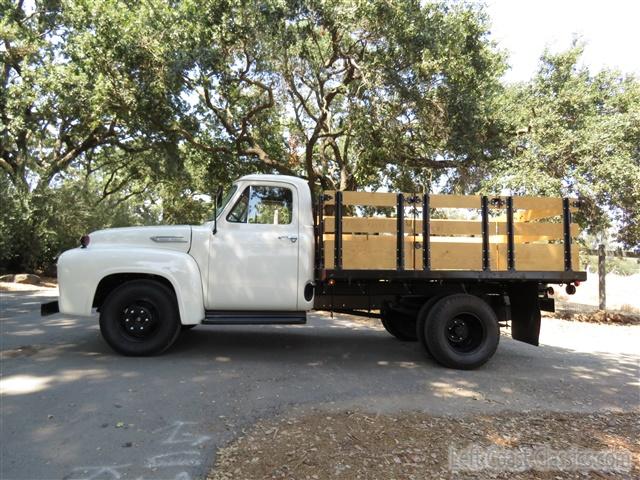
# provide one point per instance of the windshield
(225, 199)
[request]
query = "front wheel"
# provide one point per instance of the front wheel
(140, 318)
(460, 331)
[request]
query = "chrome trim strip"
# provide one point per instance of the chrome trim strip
(169, 239)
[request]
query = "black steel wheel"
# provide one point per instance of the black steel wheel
(465, 332)
(140, 318)
(400, 325)
(460, 331)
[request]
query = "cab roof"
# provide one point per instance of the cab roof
(297, 181)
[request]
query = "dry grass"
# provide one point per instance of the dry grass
(626, 308)
(600, 316)
(45, 283)
(354, 445)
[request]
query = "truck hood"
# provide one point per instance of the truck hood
(172, 237)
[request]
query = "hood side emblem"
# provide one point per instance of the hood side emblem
(168, 239)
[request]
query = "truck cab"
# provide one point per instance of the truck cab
(252, 263)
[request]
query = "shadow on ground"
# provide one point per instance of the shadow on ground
(64, 391)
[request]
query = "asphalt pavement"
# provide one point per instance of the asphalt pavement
(72, 409)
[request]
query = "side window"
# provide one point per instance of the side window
(263, 205)
(238, 213)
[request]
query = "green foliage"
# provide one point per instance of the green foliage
(618, 265)
(116, 112)
(574, 133)
(34, 230)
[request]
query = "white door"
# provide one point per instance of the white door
(254, 254)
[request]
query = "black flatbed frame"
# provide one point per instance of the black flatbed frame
(454, 275)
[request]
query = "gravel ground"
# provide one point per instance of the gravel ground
(356, 445)
(73, 409)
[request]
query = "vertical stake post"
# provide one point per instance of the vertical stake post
(566, 228)
(486, 261)
(426, 233)
(400, 233)
(321, 233)
(511, 264)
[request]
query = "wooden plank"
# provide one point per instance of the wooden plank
(368, 252)
(538, 257)
(389, 199)
(528, 202)
(452, 227)
(373, 199)
(389, 225)
(575, 257)
(537, 203)
(525, 231)
(454, 256)
(366, 225)
(454, 201)
(451, 239)
(499, 254)
(528, 215)
(538, 231)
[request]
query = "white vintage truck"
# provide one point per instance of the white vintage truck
(271, 254)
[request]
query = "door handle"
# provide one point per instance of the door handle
(291, 238)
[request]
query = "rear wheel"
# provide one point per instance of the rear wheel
(399, 324)
(460, 331)
(422, 316)
(140, 318)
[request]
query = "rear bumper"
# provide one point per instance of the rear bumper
(49, 308)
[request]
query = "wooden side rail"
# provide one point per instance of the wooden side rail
(524, 232)
(537, 207)
(504, 233)
(386, 199)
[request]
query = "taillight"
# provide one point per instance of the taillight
(84, 241)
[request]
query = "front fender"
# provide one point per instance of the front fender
(80, 271)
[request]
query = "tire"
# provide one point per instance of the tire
(401, 326)
(460, 331)
(187, 327)
(140, 318)
(422, 317)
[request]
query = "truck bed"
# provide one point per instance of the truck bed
(459, 237)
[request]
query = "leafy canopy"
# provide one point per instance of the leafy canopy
(116, 112)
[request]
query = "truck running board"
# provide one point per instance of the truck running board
(249, 317)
